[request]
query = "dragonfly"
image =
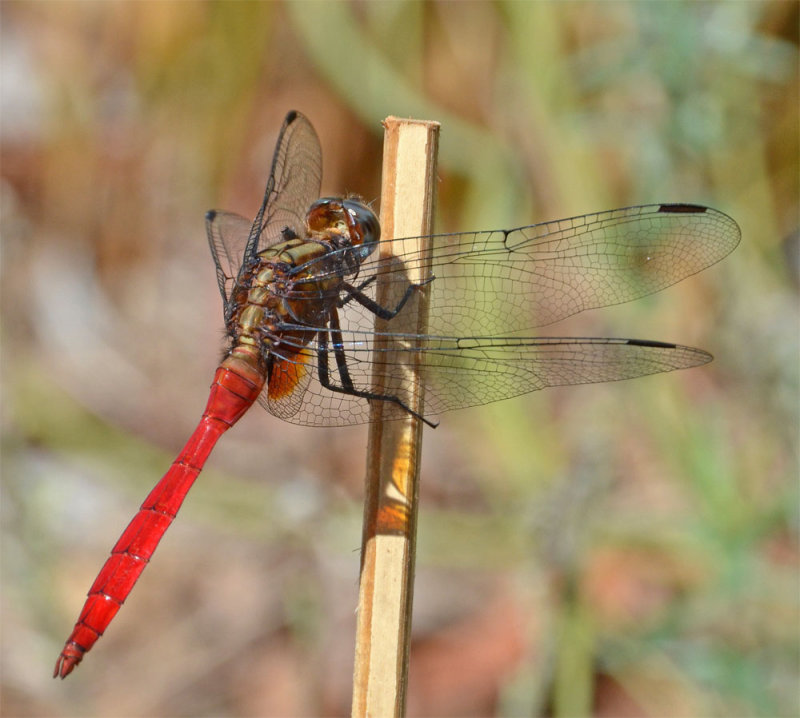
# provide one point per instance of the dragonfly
(298, 287)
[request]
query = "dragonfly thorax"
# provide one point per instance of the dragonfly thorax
(288, 294)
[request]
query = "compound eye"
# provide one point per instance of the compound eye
(365, 230)
(324, 214)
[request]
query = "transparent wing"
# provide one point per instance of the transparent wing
(485, 285)
(462, 372)
(293, 184)
(227, 238)
(504, 281)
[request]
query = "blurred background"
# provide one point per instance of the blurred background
(612, 550)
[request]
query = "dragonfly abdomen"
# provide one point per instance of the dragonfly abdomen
(237, 384)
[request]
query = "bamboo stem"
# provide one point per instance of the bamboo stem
(390, 511)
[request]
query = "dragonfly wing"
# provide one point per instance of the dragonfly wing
(290, 375)
(294, 183)
(463, 372)
(474, 371)
(494, 283)
(485, 286)
(227, 237)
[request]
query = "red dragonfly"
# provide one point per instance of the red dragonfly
(298, 291)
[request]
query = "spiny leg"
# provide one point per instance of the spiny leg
(347, 386)
(357, 293)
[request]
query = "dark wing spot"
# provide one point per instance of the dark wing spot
(682, 208)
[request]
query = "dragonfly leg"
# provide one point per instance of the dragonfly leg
(360, 288)
(373, 306)
(347, 386)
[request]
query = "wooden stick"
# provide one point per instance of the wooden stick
(390, 511)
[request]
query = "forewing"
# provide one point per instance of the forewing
(493, 283)
(294, 183)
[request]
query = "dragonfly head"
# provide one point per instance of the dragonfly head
(347, 217)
